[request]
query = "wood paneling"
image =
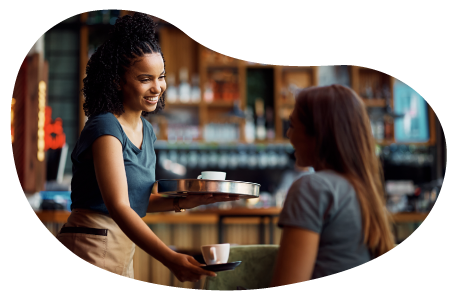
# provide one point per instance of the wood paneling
(17, 179)
(34, 173)
(434, 109)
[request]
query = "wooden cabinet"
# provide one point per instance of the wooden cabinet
(377, 91)
(186, 47)
(224, 89)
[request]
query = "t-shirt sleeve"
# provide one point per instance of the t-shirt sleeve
(96, 126)
(307, 202)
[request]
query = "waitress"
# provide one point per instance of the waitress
(114, 159)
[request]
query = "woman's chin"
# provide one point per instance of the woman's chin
(151, 108)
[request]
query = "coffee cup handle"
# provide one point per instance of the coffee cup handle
(212, 252)
(199, 177)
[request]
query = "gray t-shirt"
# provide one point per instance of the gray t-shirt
(326, 203)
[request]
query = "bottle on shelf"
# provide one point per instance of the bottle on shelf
(208, 94)
(195, 90)
(380, 129)
(284, 114)
(261, 131)
(226, 94)
(270, 123)
(389, 128)
(249, 128)
(172, 91)
(184, 90)
(217, 89)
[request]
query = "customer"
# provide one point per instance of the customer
(114, 159)
(333, 219)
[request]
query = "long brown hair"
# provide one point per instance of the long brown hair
(337, 120)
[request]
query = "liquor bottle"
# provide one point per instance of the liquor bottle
(261, 131)
(184, 86)
(208, 94)
(172, 91)
(226, 89)
(380, 129)
(270, 123)
(389, 128)
(195, 90)
(249, 128)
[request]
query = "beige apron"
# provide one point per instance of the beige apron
(97, 239)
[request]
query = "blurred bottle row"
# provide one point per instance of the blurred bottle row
(382, 128)
(221, 85)
(183, 91)
(225, 159)
(219, 132)
(407, 155)
(374, 85)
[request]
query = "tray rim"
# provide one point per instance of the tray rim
(237, 181)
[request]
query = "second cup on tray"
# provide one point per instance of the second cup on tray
(212, 175)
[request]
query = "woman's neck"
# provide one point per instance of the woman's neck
(130, 118)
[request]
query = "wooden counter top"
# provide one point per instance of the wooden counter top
(211, 216)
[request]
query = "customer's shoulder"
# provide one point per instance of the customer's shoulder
(325, 179)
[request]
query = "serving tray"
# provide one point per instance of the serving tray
(178, 187)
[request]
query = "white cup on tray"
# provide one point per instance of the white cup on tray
(212, 175)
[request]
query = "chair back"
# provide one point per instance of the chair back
(254, 272)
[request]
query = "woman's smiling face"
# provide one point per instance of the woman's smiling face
(144, 83)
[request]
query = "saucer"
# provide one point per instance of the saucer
(222, 267)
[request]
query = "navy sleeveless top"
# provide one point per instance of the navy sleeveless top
(139, 165)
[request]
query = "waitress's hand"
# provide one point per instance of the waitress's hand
(186, 268)
(194, 200)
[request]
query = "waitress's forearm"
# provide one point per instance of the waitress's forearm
(139, 233)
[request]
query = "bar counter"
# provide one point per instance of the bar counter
(186, 232)
(211, 216)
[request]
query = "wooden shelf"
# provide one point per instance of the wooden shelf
(181, 104)
(220, 103)
(384, 142)
(221, 64)
(374, 102)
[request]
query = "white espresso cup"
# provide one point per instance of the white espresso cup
(212, 175)
(216, 253)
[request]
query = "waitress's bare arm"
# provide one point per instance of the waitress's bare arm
(112, 180)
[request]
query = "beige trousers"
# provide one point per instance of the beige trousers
(111, 250)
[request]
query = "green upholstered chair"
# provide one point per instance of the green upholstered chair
(254, 272)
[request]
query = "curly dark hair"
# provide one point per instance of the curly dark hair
(130, 38)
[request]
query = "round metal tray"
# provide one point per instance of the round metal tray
(178, 187)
